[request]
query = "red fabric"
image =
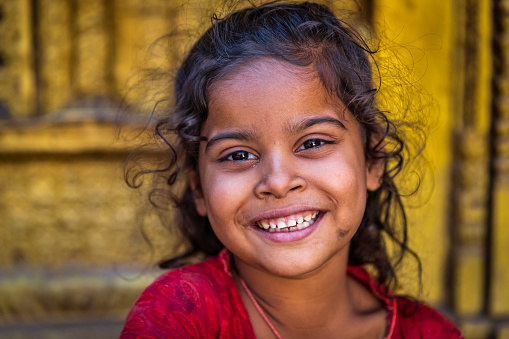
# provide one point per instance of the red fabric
(202, 301)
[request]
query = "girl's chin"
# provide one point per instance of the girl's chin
(295, 263)
(292, 272)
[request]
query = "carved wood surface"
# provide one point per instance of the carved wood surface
(65, 65)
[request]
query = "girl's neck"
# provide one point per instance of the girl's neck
(318, 300)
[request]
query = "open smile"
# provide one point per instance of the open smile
(290, 223)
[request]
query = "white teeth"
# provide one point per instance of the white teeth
(290, 225)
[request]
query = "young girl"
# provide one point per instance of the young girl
(289, 168)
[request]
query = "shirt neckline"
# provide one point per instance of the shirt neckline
(359, 273)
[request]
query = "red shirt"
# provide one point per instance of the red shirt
(202, 301)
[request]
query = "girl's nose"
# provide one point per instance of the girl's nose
(279, 177)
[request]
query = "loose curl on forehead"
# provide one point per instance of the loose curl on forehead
(306, 35)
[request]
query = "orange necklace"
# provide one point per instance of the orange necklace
(258, 308)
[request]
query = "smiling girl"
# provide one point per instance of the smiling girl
(289, 192)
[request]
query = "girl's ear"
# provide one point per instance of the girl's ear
(375, 170)
(199, 200)
(375, 167)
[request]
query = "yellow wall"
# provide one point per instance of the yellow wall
(420, 33)
(67, 66)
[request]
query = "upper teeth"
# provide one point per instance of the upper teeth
(290, 224)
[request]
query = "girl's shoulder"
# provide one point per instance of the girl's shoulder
(407, 317)
(194, 279)
(195, 301)
(414, 319)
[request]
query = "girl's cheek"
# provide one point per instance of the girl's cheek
(227, 187)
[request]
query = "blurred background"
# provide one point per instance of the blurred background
(72, 257)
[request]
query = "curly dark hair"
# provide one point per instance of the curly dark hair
(306, 35)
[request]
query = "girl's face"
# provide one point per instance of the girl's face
(282, 173)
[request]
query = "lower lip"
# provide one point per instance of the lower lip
(291, 235)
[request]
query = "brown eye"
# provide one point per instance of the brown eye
(238, 156)
(241, 155)
(313, 143)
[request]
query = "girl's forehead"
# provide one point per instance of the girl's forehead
(268, 73)
(275, 92)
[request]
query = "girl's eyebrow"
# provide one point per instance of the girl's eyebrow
(294, 128)
(244, 135)
(302, 125)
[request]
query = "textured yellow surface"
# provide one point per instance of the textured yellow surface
(500, 288)
(419, 31)
(66, 66)
(57, 210)
(17, 26)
